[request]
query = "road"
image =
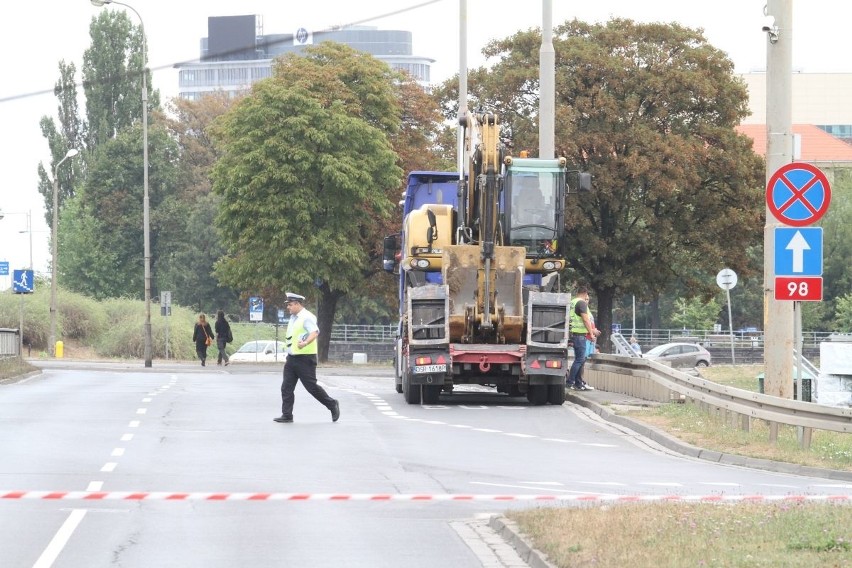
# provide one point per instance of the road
(175, 434)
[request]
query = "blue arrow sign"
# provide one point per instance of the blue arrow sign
(798, 252)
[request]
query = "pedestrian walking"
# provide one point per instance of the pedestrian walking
(301, 365)
(634, 345)
(202, 335)
(581, 327)
(223, 337)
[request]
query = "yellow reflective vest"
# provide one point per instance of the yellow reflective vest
(296, 331)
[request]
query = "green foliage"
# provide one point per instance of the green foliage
(843, 315)
(695, 313)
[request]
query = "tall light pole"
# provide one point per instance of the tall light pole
(54, 249)
(145, 202)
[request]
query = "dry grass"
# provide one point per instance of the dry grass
(13, 367)
(675, 535)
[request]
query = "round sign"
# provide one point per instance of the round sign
(798, 194)
(726, 279)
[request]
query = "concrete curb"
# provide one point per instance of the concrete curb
(681, 447)
(509, 532)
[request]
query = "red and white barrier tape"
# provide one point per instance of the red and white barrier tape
(591, 498)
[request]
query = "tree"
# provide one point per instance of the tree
(695, 314)
(306, 167)
(650, 111)
(102, 238)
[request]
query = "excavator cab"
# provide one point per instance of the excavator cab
(534, 210)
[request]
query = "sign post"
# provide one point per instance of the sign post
(798, 194)
(166, 310)
(727, 279)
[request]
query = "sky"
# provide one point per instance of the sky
(36, 36)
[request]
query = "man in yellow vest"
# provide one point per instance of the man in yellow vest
(301, 365)
(582, 328)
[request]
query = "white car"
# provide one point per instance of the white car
(262, 351)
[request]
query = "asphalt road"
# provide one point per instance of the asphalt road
(177, 433)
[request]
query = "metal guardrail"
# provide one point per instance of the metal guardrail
(651, 380)
(339, 332)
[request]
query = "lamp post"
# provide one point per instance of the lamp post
(54, 249)
(145, 201)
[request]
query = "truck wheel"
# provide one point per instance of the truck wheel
(556, 394)
(409, 391)
(537, 394)
(431, 393)
(515, 390)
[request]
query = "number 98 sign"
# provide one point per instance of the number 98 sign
(802, 289)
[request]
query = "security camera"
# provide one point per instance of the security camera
(771, 28)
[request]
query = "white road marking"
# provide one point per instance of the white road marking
(543, 482)
(834, 485)
(719, 484)
(141, 411)
(117, 452)
(147, 399)
(518, 435)
(488, 430)
(662, 484)
(543, 489)
(134, 424)
(560, 440)
(60, 539)
(127, 437)
(109, 467)
(593, 445)
(95, 486)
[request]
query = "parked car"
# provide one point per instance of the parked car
(263, 351)
(680, 355)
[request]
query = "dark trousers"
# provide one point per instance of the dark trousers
(222, 345)
(301, 368)
(201, 351)
(575, 376)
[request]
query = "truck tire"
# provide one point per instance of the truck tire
(431, 394)
(409, 391)
(537, 394)
(556, 394)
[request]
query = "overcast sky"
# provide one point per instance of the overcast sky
(36, 35)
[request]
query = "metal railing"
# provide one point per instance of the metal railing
(653, 381)
(339, 332)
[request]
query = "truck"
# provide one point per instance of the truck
(478, 259)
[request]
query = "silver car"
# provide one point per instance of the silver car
(680, 355)
(263, 351)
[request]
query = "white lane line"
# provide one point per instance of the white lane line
(127, 437)
(147, 399)
(95, 486)
(117, 452)
(543, 483)
(719, 484)
(488, 430)
(599, 445)
(141, 411)
(134, 424)
(543, 488)
(560, 440)
(662, 483)
(60, 539)
(519, 435)
(109, 467)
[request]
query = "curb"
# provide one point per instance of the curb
(674, 444)
(509, 532)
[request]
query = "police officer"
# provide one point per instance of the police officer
(301, 365)
(582, 328)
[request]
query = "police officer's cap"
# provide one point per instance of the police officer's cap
(291, 297)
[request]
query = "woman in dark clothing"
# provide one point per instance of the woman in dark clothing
(223, 336)
(202, 336)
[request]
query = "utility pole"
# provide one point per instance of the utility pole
(778, 344)
(546, 84)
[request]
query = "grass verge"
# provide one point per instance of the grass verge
(674, 535)
(13, 367)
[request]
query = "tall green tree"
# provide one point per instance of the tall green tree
(306, 166)
(650, 111)
(102, 237)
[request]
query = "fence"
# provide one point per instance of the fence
(339, 332)
(9, 343)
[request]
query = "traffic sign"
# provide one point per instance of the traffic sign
(798, 252)
(22, 281)
(798, 194)
(726, 279)
(4, 268)
(800, 289)
(166, 298)
(255, 308)
(282, 316)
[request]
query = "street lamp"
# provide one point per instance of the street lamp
(55, 249)
(145, 205)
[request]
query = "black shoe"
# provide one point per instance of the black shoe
(284, 419)
(335, 411)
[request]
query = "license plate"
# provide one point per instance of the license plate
(418, 369)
